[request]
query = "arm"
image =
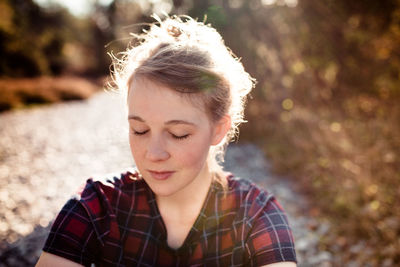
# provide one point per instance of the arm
(270, 242)
(71, 239)
(282, 264)
(49, 260)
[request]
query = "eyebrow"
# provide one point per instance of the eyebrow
(171, 122)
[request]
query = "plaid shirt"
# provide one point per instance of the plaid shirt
(118, 224)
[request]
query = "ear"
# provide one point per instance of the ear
(221, 128)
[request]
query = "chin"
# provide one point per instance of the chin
(163, 192)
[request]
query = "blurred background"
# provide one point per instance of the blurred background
(325, 111)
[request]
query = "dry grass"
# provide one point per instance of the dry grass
(20, 93)
(346, 156)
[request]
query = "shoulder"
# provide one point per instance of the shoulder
(87, 221)
(99, 192)
(107, 184)
(97, 201)
(244, 185)
(269, 237)
(247, 200)
(103, 195)
(251, 196)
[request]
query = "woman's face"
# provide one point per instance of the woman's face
(169, 137)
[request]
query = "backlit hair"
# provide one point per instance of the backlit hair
(191, 58)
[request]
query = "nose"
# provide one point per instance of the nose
(156, 150)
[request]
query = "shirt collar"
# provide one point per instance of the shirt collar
(205, 222)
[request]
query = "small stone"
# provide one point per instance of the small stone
(323, 257)
(387, 263)
(302, 244)
(323, 229)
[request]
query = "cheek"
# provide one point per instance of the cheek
(194, 154)
(136, 148)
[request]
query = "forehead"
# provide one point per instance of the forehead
(151, 100)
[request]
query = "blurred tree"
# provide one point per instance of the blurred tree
(338, 46)
(31, 40)
(102, 23)
(355, 43)
(37, 40)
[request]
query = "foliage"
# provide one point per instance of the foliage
(49, 41)
(30, 39)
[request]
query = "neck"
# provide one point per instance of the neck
(190, 198)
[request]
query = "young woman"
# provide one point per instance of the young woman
(185, 95)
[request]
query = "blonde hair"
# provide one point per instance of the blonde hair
(191, 58)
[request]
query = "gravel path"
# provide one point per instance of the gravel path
(46, 152)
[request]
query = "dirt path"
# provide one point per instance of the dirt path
(46, 152)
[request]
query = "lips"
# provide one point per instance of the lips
(163, 175)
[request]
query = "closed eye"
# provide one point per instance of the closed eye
(140, 133)
(180, 137)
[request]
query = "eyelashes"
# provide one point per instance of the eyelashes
(139, 133)
(178, 137)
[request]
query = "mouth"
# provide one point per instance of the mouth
(161, 175)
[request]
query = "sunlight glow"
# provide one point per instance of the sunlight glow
(268, 2)
(156, 6)
(76, 7)
(289, 3)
